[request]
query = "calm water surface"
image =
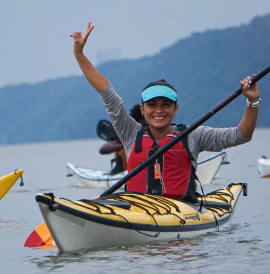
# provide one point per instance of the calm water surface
(243, 246)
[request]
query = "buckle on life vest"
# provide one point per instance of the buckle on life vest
(157, 170)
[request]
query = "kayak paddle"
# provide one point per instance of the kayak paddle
(40, 236)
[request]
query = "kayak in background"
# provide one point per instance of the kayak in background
(128, 218)
(93, 177)
(6, 182)
(206, 172)
(264, 167)
(207, 169)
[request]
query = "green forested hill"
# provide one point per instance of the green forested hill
(205, 68)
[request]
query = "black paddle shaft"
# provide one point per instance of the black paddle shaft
(182, 135)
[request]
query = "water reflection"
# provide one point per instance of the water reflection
(126, 257)
(229, 246)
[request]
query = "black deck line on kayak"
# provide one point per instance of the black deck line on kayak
(120, 204)
(136, 226)
(218, 205)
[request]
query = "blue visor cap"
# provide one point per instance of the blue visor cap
(158, 91)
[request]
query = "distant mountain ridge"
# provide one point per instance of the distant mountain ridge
(205, 68)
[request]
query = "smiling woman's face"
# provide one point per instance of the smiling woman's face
(159, 112)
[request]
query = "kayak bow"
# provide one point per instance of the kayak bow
(6, 182)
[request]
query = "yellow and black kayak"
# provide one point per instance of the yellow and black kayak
(127, 218)
(6, 182)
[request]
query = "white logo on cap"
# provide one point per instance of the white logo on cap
(159, 90)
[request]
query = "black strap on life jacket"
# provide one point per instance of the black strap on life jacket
(138, 146)
(181, 128)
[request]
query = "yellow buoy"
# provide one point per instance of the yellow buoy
(6, 182)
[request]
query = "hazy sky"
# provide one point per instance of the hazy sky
(36, 46)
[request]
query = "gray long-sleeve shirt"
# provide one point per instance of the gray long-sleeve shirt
(201, 139)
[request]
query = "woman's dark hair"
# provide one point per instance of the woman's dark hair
(161, 82)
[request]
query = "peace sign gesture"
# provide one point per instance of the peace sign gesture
(80, 39)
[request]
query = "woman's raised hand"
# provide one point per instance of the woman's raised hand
(251, 92)
(80, 39)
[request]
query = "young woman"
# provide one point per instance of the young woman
(172, 175)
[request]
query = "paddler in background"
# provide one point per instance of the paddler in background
(120, 160)
(173, 174)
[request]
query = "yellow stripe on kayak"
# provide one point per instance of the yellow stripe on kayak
(8, 181)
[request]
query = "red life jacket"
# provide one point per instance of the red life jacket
(177, 173)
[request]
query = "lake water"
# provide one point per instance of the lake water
(243, 246)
